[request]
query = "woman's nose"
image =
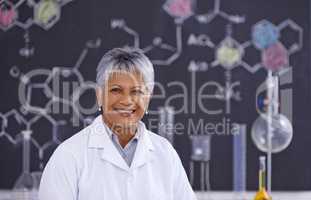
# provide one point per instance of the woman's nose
(126, 99)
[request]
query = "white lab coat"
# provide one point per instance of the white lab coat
(88, 166)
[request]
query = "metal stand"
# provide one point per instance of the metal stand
(201, 145)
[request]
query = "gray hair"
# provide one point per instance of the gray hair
(125, 59)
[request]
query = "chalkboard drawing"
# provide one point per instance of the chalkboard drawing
(229, 53)
(26, 185)
(229, 91)
(22, 133)
(8, 15)
(201, 154)
(264, 34)
(180, 9)
(42, 93)
(275, 48)
(11, 120)
(43, 13)
(195, 66)
(26, 132)
(275, 57)
(47, 13)
(28, 50)
(157, 42)
(210, 16)
(58, 88)
(293, 43)
(201, 40)
(121, 24)
(30, 86)
(175, 51)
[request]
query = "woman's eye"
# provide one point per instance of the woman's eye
(115, 90)
(137, 92)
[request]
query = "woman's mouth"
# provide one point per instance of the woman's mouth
(124, 112)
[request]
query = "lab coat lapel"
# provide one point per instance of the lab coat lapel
(111, 154)
(99, 139)
(144, 148)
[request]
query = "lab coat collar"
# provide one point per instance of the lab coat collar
(136, 136)
(99, 139)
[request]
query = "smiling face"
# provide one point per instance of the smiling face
(124, 99)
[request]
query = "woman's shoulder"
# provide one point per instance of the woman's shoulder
(159, 142)
(165, 151)
(157, 138)
(76, 143)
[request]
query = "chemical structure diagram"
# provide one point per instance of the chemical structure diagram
(229, 53)
(156, 43)
(265, 38)
(179, 10)
(60, 90)
(44, 13)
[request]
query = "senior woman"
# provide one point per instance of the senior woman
(116, 157)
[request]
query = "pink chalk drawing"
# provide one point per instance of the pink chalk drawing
(7, 16)
(179, 8)
(275, 57)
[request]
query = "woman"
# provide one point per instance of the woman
(116, 157)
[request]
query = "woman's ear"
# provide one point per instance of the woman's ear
(147, 102)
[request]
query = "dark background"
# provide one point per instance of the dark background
(88, 20)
